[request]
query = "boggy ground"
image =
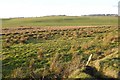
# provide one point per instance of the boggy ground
(60, 52)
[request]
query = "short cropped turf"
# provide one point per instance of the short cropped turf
(60, 21)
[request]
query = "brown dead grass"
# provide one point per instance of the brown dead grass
(31, 29)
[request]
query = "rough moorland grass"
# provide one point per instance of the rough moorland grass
(61, 55)
(60, 21)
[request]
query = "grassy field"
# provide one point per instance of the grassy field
(60, 21)
(60, 52)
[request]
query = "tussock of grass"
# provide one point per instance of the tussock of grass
(60, 53)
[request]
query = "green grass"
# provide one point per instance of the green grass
(61, 53)
(68, 52)
(61, 21)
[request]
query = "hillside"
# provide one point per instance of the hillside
(61, 21)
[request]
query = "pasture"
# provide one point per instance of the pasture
(61, 21)
(59, 47)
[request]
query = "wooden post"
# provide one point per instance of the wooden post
(90, 57)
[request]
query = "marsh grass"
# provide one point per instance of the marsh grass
(17, 73)
(59, 55)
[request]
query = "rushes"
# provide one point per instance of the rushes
(63, 70)
(66, 51)
(17, 73)
(108, 38)
(31, 65)
(87, 45)
(55, 62)
(32, 68)
(40, 53)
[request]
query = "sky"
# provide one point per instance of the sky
(37, 8)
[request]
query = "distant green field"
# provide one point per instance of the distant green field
(60, 21)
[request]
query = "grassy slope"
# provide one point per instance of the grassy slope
(60, 21)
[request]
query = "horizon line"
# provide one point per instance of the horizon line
(61, 15)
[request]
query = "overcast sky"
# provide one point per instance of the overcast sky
(36, 8)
